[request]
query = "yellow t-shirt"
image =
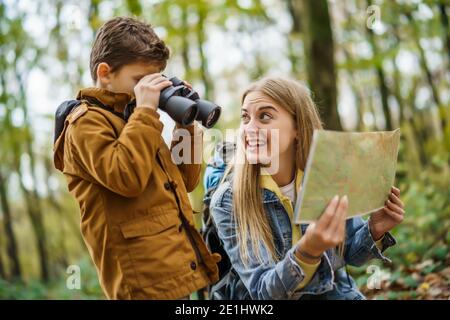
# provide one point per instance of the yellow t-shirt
(267, 182)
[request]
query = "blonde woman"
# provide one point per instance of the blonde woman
(252, 208)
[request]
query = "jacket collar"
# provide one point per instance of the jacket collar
(114, 100)
(266, 182)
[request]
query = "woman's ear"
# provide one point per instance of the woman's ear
(296, 136)
(103, 74)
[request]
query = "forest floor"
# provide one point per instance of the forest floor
(427, 280)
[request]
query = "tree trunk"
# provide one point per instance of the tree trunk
(295, 35)
(445, 25)
(62, 219)
(11, 243)
(361, 107)
(201, 12)
(185, 41)
(381, 78)
(319, 53)
(359, 96)
(34, 213)
(2, 267)
(429, 76)
(32, 197)
(408, 116)
(73, 225)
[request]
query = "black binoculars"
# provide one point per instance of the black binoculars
(184, 105)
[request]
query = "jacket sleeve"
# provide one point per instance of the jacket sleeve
(190, 165)
(266, 280)
(123, 163)
(360, 246)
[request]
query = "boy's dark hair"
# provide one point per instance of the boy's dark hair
(125, 40)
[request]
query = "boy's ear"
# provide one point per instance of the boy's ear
(103, 73)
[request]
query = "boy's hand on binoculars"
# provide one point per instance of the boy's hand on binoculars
(148, 89)
(325, 233)
(187, 84)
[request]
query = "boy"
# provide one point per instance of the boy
(136, 218)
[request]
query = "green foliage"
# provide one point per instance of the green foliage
(421, 258)
(57, 288)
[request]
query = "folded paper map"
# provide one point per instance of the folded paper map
(360, 165)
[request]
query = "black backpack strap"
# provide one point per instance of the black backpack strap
(230, 285)
(97, 103)
(68, 106)
(63, 110)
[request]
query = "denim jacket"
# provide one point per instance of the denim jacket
(279, 280)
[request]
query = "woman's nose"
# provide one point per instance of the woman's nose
(251, 131)
(251, 126)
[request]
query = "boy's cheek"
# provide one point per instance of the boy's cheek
(128, 88)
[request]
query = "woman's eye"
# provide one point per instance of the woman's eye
(245, 118)
(265, 116)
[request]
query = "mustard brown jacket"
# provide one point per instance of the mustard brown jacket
(136, 218)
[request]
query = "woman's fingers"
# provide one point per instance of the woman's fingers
(394, 207)
(396, 216)
(329, 230)
(340, 231)
(396, 191)
(339, 216)
(328, 214)
(396, 200)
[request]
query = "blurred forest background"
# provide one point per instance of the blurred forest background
(372, 65)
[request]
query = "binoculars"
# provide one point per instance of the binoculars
(184, 105)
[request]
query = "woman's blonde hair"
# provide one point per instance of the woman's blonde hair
(251, 220)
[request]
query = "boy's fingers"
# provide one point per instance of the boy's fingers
(157, 81)
(328, 214)
(150, 77)
(163, 85)
(187, 84)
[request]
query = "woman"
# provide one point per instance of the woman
(253, 207)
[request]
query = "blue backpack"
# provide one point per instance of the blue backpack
(229, 286)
